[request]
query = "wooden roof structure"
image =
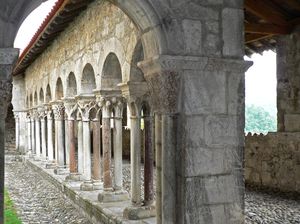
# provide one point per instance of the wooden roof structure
(264, 20)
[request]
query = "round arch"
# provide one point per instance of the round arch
(59, 90)
(48, 94)
(88, 82)
(35, 99)
(41, 96)
(111, 73)
(136, 74)
(71, 89)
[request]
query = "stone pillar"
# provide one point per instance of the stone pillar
(80, 144)
(8, 56)
(33, 132)
(29, 148)
(106, 141)
(67, 151)
(17, 130)
(96, 149)
(58, 110)
(85, 104)
(288, 85)
(202, 131)
(117, 133)
(50, 134)
(70, 109)
(148, 163)
(158, 163)
(37, 135)
(43, 132)
(135, 154)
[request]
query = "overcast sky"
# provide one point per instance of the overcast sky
(260, 78)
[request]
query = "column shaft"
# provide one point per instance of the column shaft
(96, 150)
(118, 176)
(37, 137)
(80, 147)
(60, 143)
(106, 139)
(168, 169)
(148, 164)
(44, 147)
(50, 139)
(135, 160)
(67, 149)
(86, 150)
(71, 146)
(158, 162)
(33, 136)
(29, 148)
(17, 132)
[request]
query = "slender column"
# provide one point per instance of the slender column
(32, 119)
(169, 168)
(29, 148)
(80, 145)
(37, 135)
(148, 164)
(59, 119)
(135, 157)
(67, 141)
(118, 175)
(50, 135)
(96, 149)
(85, 105)
(17, 130)
(158, 162)
(106, 141)
(43, 128)
(70, 105)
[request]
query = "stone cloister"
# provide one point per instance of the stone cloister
(170, 73)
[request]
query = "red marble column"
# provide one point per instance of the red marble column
(72, 147)
(106, 141)
(96, 150)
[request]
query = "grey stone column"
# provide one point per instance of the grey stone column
(85, 104)
(43, 136)
(158, 162)
(37, 135)
(8, 56)
(135, 154)
(58, 110)
(17, 130)
(117, 132)
(29, 148)
(33, 132)
(80, 144)
(67, 151)
(50, 148)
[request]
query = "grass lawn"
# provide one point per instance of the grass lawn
(10, 215)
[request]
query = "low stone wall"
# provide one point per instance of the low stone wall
(10, 138)
(273, 161)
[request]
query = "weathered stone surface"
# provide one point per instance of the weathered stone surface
(273, 161)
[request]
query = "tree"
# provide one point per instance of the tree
(258, 120)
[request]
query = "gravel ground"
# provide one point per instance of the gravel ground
(38, 201)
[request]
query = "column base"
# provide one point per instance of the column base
(61, 171)
(50, 165)
(113, 196)
(74, 177)
(136, 213)
(87, 186)
(97, 184)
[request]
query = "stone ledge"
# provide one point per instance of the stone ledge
(87, 202)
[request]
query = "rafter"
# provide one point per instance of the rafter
(249, 38)
(266, 29)
(265, 10)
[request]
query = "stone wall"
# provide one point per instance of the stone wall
(10, 138)
(273, 161)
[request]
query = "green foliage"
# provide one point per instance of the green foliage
(10, 215)
(258, 120)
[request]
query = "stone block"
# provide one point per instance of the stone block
(193, 36)
(136, 213)
(204, 93)
(292, 122)
(233, 35)
(236, 94)
(221, 131)
(114, 196)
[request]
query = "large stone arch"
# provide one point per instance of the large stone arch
(136, 74)
(88, 81)
(111, 73)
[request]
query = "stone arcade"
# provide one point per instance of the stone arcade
(175, 68)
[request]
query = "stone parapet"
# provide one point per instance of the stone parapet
(273, 161)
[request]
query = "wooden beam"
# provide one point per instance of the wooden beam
(295, 4)
(266, 29)
(249, 38)
(265, 10)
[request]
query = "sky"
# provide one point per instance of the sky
(260, 78)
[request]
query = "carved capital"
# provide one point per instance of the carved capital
(70, 108)
(85, 104)
(118, 104)
(105, 103)
(58, 110)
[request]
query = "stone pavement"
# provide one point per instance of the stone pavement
(38, 201)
